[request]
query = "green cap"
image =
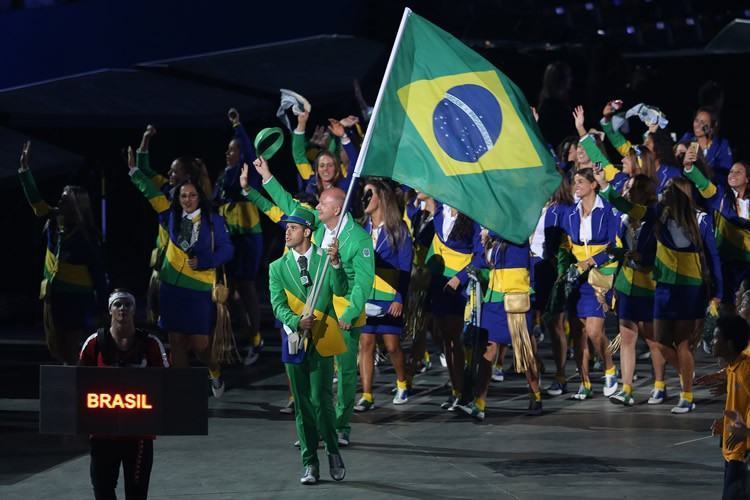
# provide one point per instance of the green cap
(301, 216)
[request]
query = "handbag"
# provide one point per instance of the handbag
(598, 279)
(223, 346)
(517, 303)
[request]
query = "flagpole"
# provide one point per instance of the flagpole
(315, 292)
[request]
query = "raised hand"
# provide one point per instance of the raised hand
(243, 176)
(146, 139)
(691, 155)
(261, 166)
(320, 137)
(234, 116)
(349, 121)
(302, 121)
(131, 158)
(600, 178)
(25, 156)
(578, 120)
(336, 127)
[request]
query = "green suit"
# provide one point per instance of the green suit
(358, 260)
(311, 379)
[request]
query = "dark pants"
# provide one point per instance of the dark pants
(735, 480)
(136, 457)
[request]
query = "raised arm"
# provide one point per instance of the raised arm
(621, 144)
(246, 145)
(40, 207)
(276, 191)
(596, 156)
(298, 147)
(143, 161)
(264, 204)
(156, 198)
(706, 188)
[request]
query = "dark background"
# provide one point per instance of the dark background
(636, 50)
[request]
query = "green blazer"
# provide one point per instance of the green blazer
(357, 257)
(288, 297)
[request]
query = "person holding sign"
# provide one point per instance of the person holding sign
(122, 345)
(311, 337)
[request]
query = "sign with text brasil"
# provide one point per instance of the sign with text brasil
(453, 126)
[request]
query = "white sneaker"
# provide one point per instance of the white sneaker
(253, 353)
(289, 408)
(610, 385)
(683, 407)
(657, 396)
(364, 405)
(217, 387)
(401, 397)
(443, 361)
(497, 374)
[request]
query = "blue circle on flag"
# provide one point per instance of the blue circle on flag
(467, 122)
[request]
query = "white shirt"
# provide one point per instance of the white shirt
(376, 234)
(585, 232)
(743, 206)
(331, 233)
(307, 255)
(449, 220)
(196, 224)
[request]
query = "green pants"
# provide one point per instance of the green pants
(347, 386)
(313, 405)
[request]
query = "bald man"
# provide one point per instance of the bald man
(358, 260)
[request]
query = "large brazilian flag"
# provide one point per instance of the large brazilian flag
(448, 123)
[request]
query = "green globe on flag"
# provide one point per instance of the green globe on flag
(451, 125)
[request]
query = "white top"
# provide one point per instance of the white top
(449, 220)
(331, 233)
(196, 224)
(743, 206)
(376, 233)
(585, 232)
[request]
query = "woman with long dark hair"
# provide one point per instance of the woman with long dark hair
(635, 284)
(180, 170)
(731, 202)
(74, 286)
(455, 246)
(384, 308)
(592, 229)
(198, 244)
(687, 272)
(557, 250)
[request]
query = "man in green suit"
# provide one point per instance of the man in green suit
(311, 340)
(358, 260)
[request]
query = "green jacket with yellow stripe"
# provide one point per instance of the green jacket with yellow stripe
(357, 257)
(288, 297)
